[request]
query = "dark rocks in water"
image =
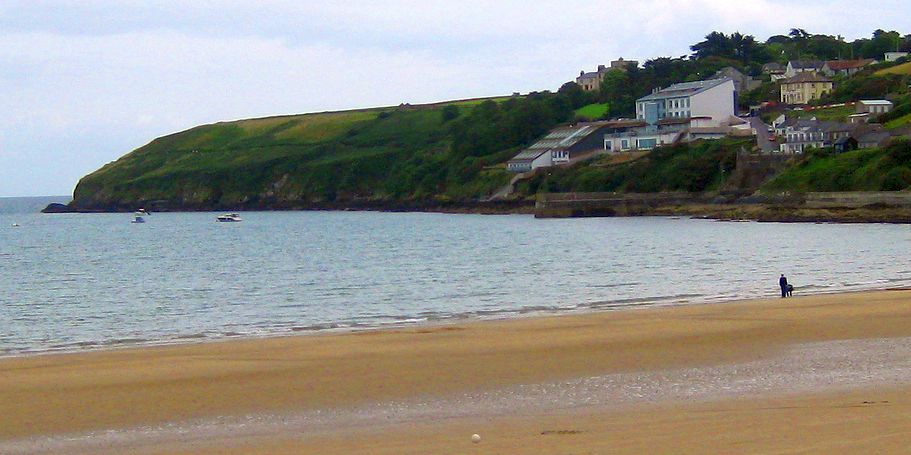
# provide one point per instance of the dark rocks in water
(56, 207)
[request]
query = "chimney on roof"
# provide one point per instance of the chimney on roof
(600, 68)
(582, 73)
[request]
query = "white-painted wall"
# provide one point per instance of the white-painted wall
(615, 144)
(716, 102)
(542, 161)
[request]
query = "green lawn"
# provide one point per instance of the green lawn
(904, 68)
(840, 113)
(592, 111)
(901, 121)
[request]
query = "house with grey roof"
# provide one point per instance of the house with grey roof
(796, 67)
(591, 81)
(712, 98)
(806, 86)
(560, 146)
(774, 70)
(742, 82)
(873, 139)
(802, 134)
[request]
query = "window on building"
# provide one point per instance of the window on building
(646, 143)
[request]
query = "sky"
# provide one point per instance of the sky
(84, 82)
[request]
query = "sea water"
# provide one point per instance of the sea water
(81, 281)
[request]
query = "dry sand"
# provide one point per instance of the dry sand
(809, 374)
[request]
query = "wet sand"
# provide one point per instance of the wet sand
(818, 373)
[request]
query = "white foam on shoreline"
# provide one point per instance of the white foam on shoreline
(424, 321)
(810, 367)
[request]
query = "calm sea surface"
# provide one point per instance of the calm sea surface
(76, 281)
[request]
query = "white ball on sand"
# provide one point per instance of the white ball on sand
(475, 438)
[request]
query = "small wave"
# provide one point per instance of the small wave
(75, 345)
(537, 309)
(315, 327)
(122, 341)
(614, 285)
(640, 300)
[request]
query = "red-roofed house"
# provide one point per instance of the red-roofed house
(845, 67)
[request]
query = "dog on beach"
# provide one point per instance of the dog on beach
(790, 290)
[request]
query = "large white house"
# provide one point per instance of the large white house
(712, 98)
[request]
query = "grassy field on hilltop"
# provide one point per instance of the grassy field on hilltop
(904, 68)
(427, 153)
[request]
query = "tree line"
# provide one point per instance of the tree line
(620, 89)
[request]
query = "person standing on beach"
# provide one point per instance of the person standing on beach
(783, 282)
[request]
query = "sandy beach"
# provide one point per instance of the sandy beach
(804, 375)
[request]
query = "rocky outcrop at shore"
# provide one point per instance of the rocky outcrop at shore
(56, 207)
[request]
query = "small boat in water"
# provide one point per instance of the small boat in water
(15, 225)
(137, 218)
(229, 218)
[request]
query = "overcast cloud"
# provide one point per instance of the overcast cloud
(84, 82)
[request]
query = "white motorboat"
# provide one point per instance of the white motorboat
(229, 218)
(137, 218)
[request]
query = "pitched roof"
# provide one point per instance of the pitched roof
(806, 76)
(844, 139)
(593, 75)
(770, 67)
(684, 89)
(559, 138)
(875, 136)
(806, 64)
(837, 65)
(876, 102)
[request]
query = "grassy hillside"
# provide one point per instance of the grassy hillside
(839, 113)
(593, 111)
(697, 166)
(407, 154)
(884, 169)
(904, 68)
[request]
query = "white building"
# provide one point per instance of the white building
(893, 56)
(796, 67)
(712, 98)
(873, 106)
(560, 146)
